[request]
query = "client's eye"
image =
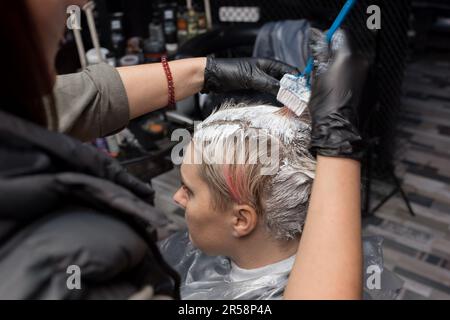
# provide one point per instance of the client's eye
(186, 189)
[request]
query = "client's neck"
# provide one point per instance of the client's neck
(259, 250)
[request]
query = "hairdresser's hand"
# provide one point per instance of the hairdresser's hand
(337, 86)
(223, 75)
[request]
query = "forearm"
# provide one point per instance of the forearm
(146, 85)
(329, 259)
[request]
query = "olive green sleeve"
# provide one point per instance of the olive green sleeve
(92, 103)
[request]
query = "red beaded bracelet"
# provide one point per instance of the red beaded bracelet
(171, 93)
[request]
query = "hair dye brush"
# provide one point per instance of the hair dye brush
(294, 90)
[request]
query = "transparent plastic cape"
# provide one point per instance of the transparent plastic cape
(205, 277)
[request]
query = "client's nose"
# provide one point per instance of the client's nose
(180, 198)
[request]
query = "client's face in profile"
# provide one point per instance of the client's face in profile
(208, 226)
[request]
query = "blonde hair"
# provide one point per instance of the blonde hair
(280, 198)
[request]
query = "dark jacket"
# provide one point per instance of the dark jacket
(62, 204)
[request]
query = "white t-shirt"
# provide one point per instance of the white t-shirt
(239, 274)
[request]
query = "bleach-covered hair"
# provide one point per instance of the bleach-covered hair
(280, 196)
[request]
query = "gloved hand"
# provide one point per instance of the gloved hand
(337, 84)
(223, 75)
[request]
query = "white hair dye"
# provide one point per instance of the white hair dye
(292, 167)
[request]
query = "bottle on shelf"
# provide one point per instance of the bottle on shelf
(192, 22)
(202, 26)
(201, 19)
(182, 26)
(169, 13)
(154, 46)
(117, 34)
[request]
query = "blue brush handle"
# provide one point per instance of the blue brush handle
(336, 24)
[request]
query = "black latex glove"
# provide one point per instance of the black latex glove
(224, 75)
(337, 84)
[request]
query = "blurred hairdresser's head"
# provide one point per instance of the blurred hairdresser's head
(30, 32)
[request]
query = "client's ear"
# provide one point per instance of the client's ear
(244, 220)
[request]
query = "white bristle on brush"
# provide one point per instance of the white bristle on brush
(294, 93)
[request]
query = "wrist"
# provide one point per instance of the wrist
(339, 143)
(200, 69)
(210, 83)
(198, 77)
